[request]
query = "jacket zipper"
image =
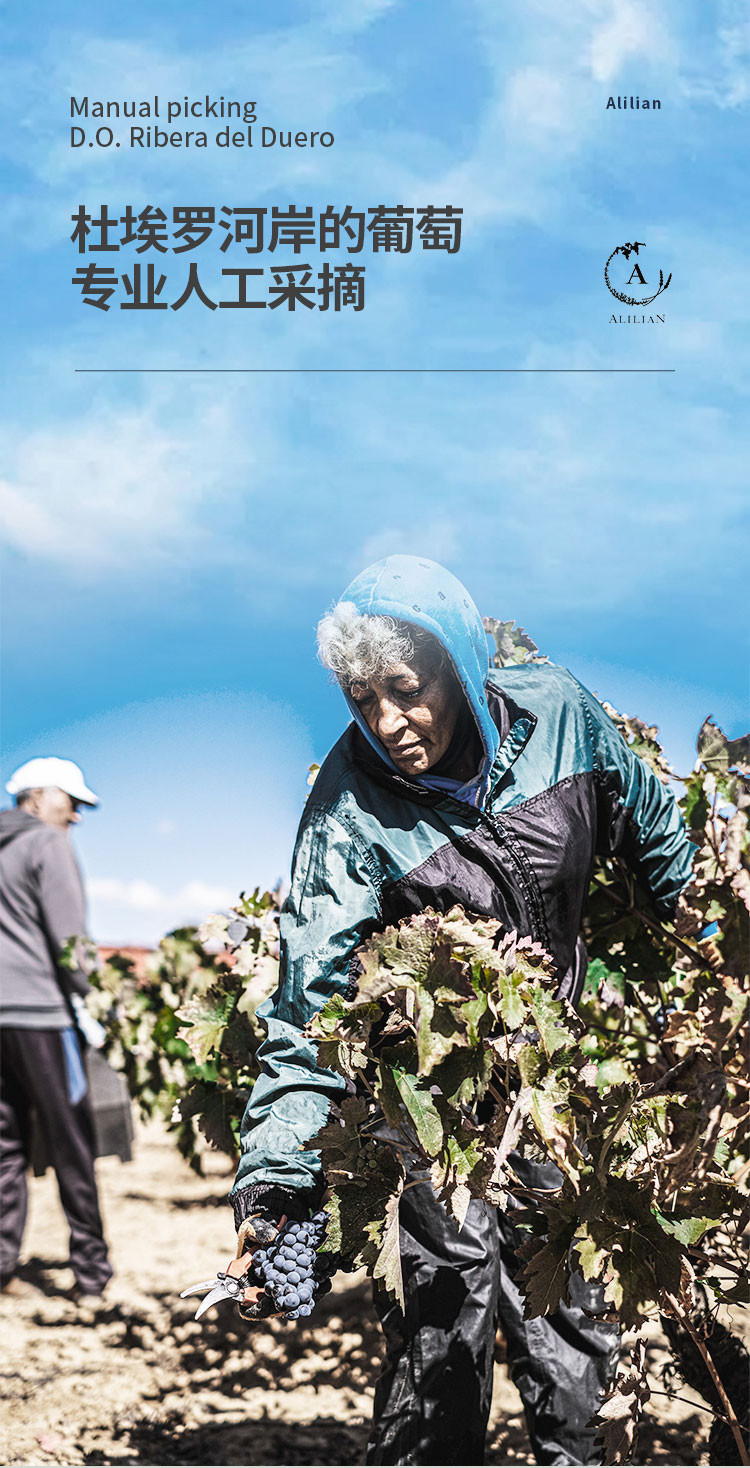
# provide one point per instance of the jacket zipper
(526, 875)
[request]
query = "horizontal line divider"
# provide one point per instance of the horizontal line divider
(433, 370)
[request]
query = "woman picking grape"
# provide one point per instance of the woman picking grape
(453, 783)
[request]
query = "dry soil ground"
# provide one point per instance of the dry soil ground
(139, 1381)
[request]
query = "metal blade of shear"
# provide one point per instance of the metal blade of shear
(200, 1289)
(220, 1293)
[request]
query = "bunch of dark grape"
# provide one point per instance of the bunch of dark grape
(295, 1275)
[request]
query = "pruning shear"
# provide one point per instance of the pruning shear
(231, 1283)
(223, 1286)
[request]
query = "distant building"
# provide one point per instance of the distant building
(138, 956)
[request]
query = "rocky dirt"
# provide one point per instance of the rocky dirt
(136, 1380)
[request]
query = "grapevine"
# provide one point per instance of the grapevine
(185, 1036)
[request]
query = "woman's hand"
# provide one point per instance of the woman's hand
(254, 1234)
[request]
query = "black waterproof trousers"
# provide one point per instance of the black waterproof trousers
(32, 1074)
(433, 1398)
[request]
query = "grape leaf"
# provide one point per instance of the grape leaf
(357, 1212)
(547, 1012)
(214, 929)
(328, 1019)
(388, 1093)
(512, 644)
(591, 1256)
(204, 1020)
(374, 980)
(687, 1230)
(218, 1119)
(546, 1106)
(459, 1199)
(237, 1040)
(737, 1293)
(422, 1111)
(719, 753)
(509, 1003)
(643, 1264)
(547, 1270)
(621, 1409)
(464, 1075)
(464, 1150)
(345, 1056)
(437, 1034)
(529, 1064)
(264, 977)
(614, 1071)
(388, 1264)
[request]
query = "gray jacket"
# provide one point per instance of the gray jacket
(41, 906)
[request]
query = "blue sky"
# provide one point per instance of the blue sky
(171, 540)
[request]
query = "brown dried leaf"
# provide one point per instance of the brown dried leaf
(388, 1264)
(620, 1412)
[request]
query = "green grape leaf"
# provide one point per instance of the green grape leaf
(512, 644)
(388, 1094)
(734, 1294)
(687, 1230)
(338, 1140)
(529, 1064)
(509, 1003)
(644, 1264)
(436, 1031)
(547, 1108)
(422, 1111)
(345, 1056)
(591, 1256)
(464, 1075)
(357, 1211)
(204, 1020)
(614, 1071)
(547, 1014)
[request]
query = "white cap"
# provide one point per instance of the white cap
(63, 774)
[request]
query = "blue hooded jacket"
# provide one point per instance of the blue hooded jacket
(557, 786)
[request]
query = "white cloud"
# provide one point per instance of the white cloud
(122, 489)
(425, 536)
(341, 15)
(721, 73)
(191, 903)
(630, 31)
(535, 100)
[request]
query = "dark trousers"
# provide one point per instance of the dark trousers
(433, 1398)
(32, 1075)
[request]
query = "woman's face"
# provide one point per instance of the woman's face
(412, 711)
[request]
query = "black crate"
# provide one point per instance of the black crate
(111, 1108)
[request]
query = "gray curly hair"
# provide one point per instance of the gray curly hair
(357, 646)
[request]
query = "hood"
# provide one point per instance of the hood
(13, 822)
(412, 589)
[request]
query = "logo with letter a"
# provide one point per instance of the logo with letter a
(623, 274)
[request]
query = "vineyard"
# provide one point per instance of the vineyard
(458, 1057)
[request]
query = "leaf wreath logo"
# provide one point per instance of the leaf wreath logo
(635, 275)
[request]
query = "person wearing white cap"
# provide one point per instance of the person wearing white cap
(41, 907)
